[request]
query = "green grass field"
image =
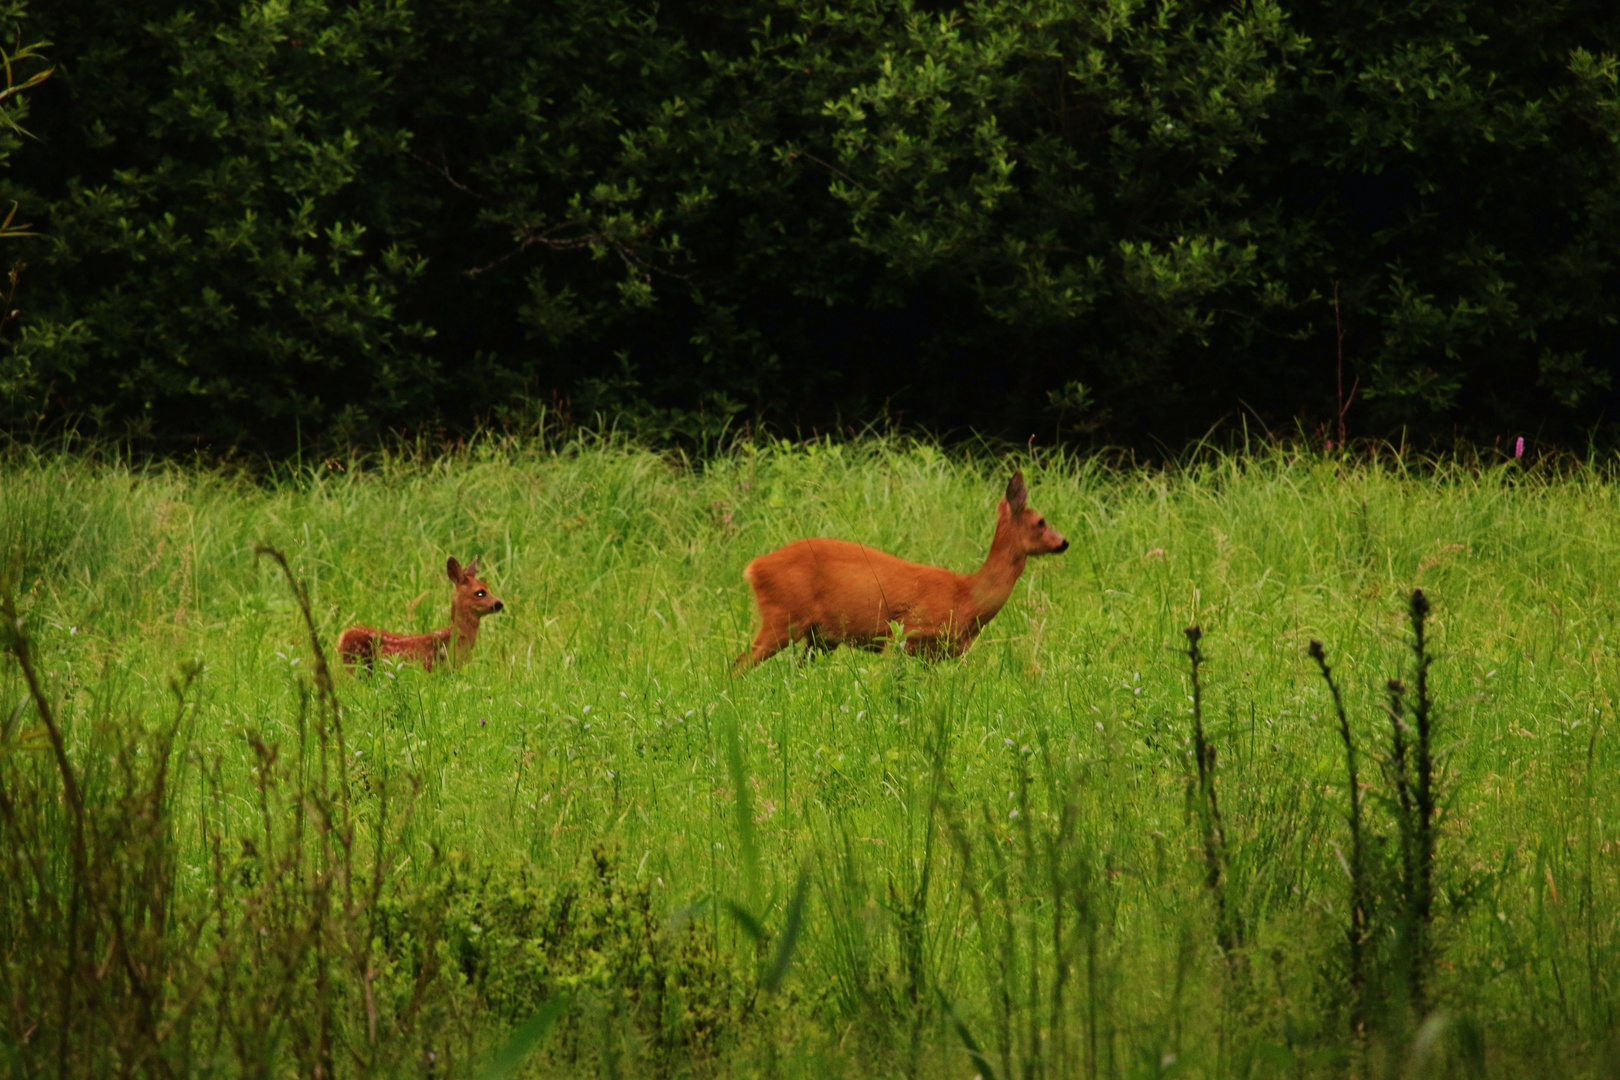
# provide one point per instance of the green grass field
(864, 866)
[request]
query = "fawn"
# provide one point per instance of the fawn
(833, 592)
(470, 602)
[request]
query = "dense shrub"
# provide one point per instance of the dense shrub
(309, 220)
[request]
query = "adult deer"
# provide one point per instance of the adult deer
(833, 592)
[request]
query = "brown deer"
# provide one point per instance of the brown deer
(833, 592)
(469, 603)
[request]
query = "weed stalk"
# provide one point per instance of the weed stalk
(1356, 934)
(1228, 931)
(17, 644)
(1411, 771)
(1425, 800)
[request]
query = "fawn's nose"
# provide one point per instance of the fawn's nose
(1061, 548)
(502, 607)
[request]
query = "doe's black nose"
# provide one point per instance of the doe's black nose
(1061, 548)
(502, 607)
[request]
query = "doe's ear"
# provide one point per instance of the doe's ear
(1017, 494)
(471, 569)
(453, 569)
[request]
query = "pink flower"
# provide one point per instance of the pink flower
(1518, 447)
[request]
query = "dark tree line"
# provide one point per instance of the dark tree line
(325, 219)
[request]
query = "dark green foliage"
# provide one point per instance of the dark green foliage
(1088, 221)
(229, 222)
(24, 65)
(1063, 176)
(521, 938)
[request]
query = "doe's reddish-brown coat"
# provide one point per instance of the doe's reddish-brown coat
(834, 592)
(470, 601)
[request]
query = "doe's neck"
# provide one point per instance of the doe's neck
(993, 582)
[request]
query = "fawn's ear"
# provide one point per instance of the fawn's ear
(1017, 494)
(453, 569)
(471, 569)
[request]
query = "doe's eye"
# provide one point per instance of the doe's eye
(1041, 524)
(480, 592)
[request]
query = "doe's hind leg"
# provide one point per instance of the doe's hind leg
(815, 642)
(767, 643)
(774, 635)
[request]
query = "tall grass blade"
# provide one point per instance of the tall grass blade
(525, 1040)
(789, 938)
(742, 802)
(975, 1053)
(745, 919)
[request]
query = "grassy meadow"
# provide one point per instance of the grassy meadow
(592, 851)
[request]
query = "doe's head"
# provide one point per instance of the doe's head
(1028, 529)
(471, 593)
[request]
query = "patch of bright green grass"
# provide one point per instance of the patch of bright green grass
(1009, 834)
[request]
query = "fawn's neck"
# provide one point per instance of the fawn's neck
(463, 630)
(992, 583)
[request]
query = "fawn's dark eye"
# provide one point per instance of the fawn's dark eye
(480, 592)
(1041, 524)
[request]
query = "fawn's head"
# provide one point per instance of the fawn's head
(471, 594)
(1028, 531)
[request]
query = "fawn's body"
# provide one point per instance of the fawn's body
(469, 603)
(834, 592)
